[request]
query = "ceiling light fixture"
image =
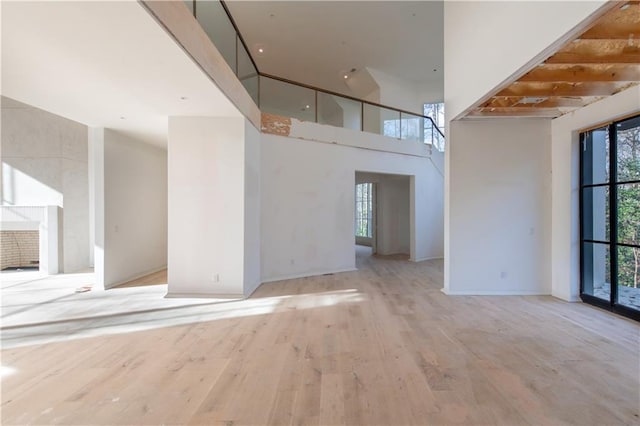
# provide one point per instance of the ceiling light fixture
(260, 50)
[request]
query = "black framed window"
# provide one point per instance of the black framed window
(610, 217)
(364, 210)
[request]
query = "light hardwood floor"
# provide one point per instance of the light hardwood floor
(382, 345)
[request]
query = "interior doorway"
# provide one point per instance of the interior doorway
(382, 215)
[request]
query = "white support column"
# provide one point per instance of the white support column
(214, 215)
(49, 239)
(96, 168)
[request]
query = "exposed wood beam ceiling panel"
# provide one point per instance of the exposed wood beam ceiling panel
(602, 61)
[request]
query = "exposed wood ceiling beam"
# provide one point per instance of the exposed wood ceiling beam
(583, 73)
(516, 112)
(563, 89)
(577, 58)
(598, 52)
(620, 23)
(551, 102)
(602, 61)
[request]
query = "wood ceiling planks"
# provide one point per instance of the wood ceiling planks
(602, 61)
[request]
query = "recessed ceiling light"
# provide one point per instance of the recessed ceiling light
(346, 76)
(260, 49)
(308, 107)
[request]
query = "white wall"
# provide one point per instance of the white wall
(214, 190)
(135, 208)
(565, 249)
(394, 216)
(399, 93)
(500, 203)
(485, 42)
(45, 162)
(308, 195)
(252, 270)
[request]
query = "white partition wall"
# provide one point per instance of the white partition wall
(214, 218)
(499, 207)
(129, 205)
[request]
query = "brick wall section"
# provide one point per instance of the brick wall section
(19, 248)
(275, 124)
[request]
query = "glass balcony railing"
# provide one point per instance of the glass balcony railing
(215, 21)
(279, 96)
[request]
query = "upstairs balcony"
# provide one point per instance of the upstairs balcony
(279, 99)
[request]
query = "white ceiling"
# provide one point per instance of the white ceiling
(103, 64)
(314, 42)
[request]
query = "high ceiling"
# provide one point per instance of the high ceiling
(316, 42)
(603, 59)
(103, 64)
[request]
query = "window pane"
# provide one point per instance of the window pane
(596, 270)
(364, 210)
(288, 100)
(628, 144)
(338, 111)
(381, 121)
(595, 157)
(629, 213)
(629, 277)
(215, 22)
(595, 213)
(189, 4)
(247, 73)
(412, 127)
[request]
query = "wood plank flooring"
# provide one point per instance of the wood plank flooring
(380, 346)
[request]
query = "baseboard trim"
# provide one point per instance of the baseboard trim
(203, 296)
(135, 277)
(423, 259)
(570, 299)
(493, 293)
(306, 275)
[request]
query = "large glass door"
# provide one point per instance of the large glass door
(610, 217)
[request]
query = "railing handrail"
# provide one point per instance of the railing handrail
(240, 39)
(237, 30)
(308, 86)
(364, 101)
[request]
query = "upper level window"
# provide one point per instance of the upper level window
(436, 112)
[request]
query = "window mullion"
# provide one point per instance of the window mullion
(613, 212)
